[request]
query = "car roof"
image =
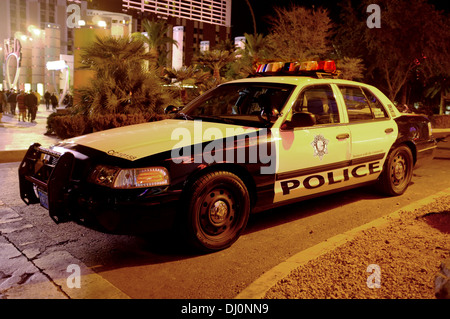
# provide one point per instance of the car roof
(297, 80)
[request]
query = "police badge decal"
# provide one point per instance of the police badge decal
(320, 146)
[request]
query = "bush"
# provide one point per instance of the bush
(108, 121)
(67, 126)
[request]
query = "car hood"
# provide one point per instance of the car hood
(137, 141)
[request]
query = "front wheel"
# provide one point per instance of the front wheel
(397, 172)
(218, 210)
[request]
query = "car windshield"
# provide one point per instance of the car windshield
(255, 104)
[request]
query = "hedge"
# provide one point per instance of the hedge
(67, 126)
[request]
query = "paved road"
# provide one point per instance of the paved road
(155, 267)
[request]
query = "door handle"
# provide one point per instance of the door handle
(389, 130)
(342, 136)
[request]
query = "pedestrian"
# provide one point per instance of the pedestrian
(38, 96)
(31, 103)
(21, 105)
(2, 103)
(54, 101)
(47, 96)
(12, 101)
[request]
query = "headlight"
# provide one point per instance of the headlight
(115, 177)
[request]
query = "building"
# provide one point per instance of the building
(37, 25)
(195, 24)
(46, 30)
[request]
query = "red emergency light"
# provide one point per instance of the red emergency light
(297, 68)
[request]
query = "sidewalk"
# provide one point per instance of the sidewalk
(16, 136)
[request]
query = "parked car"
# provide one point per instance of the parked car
(243, 147)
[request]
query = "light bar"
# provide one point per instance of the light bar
(296, 68)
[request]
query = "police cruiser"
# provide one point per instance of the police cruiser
(243, 147)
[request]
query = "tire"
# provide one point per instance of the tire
(218, 211)
(397, 171)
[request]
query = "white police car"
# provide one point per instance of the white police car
(243, 147)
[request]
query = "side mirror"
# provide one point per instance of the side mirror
(300, 120)
(171, 109)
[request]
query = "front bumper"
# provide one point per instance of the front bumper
(49, 178)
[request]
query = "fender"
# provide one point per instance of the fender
(415, 131)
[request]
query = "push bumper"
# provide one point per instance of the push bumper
(45, 177)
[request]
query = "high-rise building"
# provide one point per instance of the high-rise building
(195, 23)
(46, 30)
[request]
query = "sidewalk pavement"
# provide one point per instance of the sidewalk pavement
(16, 136)
(47, 277)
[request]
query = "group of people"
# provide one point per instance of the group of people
(26, 103)
(50, 99)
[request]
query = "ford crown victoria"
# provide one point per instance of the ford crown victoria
(246, 146)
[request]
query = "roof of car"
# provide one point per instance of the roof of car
(296, 80)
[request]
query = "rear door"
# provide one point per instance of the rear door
(372, 132)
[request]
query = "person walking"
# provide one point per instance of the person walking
(21, 105)
(2, 103)
(12, 100)
(47, 97)
(31, 103)
(54, 101)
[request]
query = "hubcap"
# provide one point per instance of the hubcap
(218, 212)
(399, 169)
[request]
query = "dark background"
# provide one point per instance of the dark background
(241, 18)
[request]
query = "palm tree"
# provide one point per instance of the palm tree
(121, 84)
(194, 78)
(253, 15)
(440, 85)
(215, 60)
(156, 39)
(255, 48)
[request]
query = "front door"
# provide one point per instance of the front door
(313, 159)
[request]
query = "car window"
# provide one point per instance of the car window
(375, 105)
(318, 100)
(358, 108)
(362, 104)
(242, 101)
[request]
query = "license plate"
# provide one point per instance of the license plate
(43, 198)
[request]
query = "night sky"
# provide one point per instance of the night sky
(241, 18)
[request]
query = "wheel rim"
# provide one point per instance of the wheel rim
(217, 214)
(399, 170)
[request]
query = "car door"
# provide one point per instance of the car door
(372, 132)
(310, 159)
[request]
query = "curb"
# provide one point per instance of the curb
(259, 288)
(12, 156)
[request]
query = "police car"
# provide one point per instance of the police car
(243, 147)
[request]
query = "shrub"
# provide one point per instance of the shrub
(67, 126)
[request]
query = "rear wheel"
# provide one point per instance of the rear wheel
(397, 172)
(218, 210)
